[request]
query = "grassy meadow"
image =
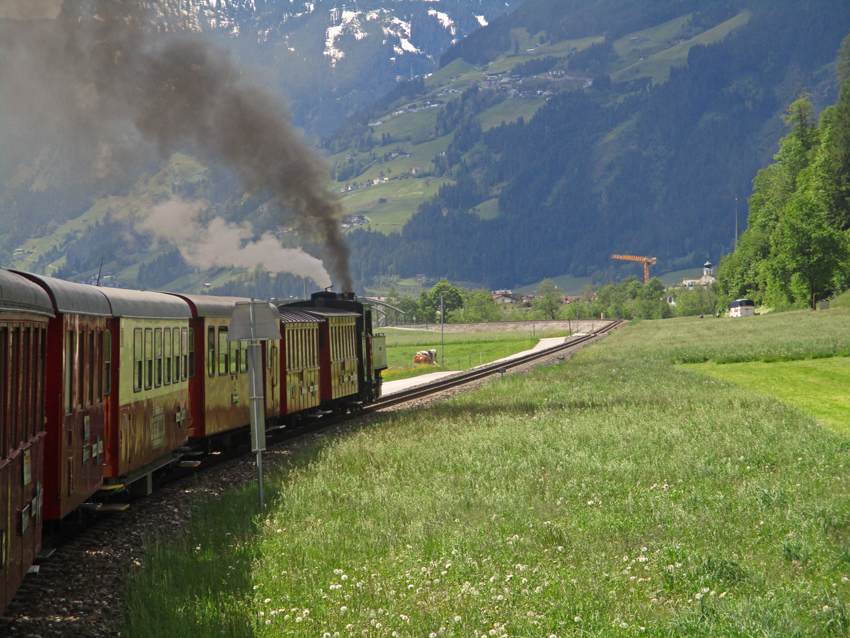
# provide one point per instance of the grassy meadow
(821, 387)
(616, 494)
(462, 350)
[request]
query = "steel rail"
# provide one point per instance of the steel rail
(482, 371)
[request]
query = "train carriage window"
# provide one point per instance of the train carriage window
(176, 351)
(243, 361)
(138, 351)
(157, 341)
(26, 389)
(14, 384)
(211, 351)
(92, 365)
(148, 358)
(81, 368)
(100, 366)
(69, 370)
(4, 355)
(288, 353)
(223, 353)
(107, 362)
(189, 353)
(299, 348)
(39, 371)
(233, 356)
(166, 355)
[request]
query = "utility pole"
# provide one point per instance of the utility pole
(533, 294)
(442, 338)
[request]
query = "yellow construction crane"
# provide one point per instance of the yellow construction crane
(647, 261)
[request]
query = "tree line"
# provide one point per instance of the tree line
(796, 249)
(629, 299)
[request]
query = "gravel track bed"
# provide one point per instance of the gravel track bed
(79, 590)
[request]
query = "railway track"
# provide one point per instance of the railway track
(484, 371)
(78, 591)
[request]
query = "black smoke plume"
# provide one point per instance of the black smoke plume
(101, 75)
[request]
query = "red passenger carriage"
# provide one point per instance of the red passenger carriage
(24, 312)
(74, 394)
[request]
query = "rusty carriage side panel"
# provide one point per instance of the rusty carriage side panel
(148, 403)
(25, 309)
(299, 365)
(337, 353)
(219, 386)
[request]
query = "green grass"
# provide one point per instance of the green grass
(509, 111)
(402, 197)
(488, 209)
(462, 350)
(818, 386)
(658, 65)
(785, 336)
(400, 126)
(568, 284)
(842, 300)
(630, 52)
(674, 278)
(614, 495)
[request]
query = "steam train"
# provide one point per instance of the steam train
(102, 387)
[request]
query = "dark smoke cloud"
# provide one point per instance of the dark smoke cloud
(100, 76)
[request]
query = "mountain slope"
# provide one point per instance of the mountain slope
(635, 163)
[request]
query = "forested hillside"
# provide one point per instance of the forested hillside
(632, 164)
(797, 246)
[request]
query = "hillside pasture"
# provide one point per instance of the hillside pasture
(657, 66)
(402, 196)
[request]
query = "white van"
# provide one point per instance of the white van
(742, 308)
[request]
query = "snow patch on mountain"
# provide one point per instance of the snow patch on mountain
(481, 21)
(444, 19)
(343, 21)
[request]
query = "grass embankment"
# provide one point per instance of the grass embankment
(613, 495)
(462, 351)
(821, 387)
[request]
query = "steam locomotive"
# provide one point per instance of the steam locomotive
(102, 387)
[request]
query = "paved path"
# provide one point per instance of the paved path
(391, 387)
